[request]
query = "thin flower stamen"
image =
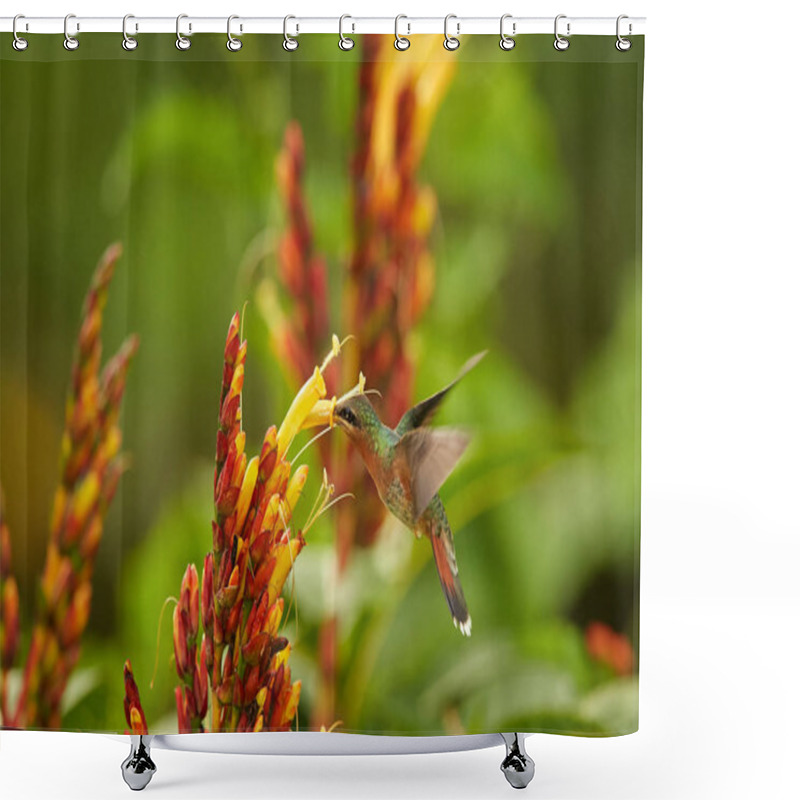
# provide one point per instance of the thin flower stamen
(325, 493)
(332, 503)
(308, 444)
(336, 349)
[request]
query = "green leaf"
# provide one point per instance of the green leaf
(614, 706)
(80, 684)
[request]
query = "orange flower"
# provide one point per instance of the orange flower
(134, 713)
(609, 647)
(226, 624)
(91, 466)
(9, 614)
(253, 552)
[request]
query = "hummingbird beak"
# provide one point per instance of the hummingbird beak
(336, 412)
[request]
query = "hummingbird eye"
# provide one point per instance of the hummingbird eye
(349, 417)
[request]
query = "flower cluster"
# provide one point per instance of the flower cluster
(253, 551)
(391, 271)
(91, 466)
(9, 614)
(191, 655)
(232, 662)
(303, 335)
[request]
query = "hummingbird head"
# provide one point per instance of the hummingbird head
(356, 416)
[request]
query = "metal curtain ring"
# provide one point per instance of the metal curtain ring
(451, 42)
(290, 43)
(506, 42)
(19, 44)
(234, 44)
(560, 43)
(400, 42)
(622, 43)
(345, 42)
(70, 42)
(128, 42)
(182, 42)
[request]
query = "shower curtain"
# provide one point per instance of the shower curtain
(320, 385)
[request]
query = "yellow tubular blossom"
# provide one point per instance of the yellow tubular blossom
(232, 664)
(285, 555)
(313, 390)
(295, 488)
(322, 411)
(246, 494)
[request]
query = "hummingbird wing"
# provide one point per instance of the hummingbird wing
(426, 457)
(422, 413)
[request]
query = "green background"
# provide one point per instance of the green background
(535, 158)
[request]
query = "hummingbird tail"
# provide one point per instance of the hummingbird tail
(445, 558)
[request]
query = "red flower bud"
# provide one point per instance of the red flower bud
(9, 630)
(189, 601)
(255, 648)
(232, 341)
(200, 685)
(207, 596)
(179, 643)
(134, 713)
(252, 684)
(76, 617)
(184, 718)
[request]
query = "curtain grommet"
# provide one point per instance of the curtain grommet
(507, 42)
(345, 42)
(290, 43)
(19, 44)
(182, 42)
(70, 42)
(401, 43)
(451, 43)
(622, 44)
(129, 43)
(561, 43)
(234, 44)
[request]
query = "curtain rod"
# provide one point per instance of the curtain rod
(299, 25)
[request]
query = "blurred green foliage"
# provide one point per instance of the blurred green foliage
(535, 159)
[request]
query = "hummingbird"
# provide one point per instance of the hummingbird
(409, 464)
